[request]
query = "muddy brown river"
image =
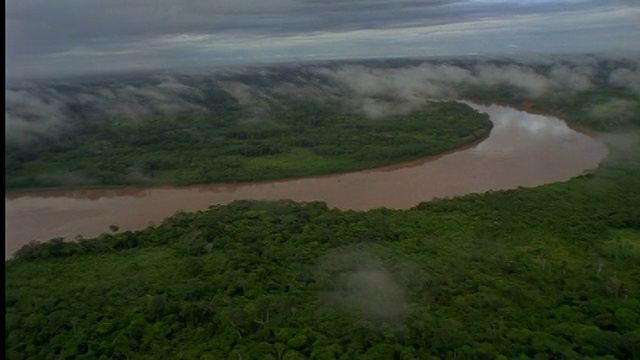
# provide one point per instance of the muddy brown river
(522, 150)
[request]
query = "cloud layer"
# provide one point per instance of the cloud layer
(68, 37)
(374, 89)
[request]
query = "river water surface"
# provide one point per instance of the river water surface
(522, 150)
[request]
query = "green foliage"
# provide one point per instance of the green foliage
(298, 139)
(525, 273)
(546, 272)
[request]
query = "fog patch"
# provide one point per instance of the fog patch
(31, 111)
(44, 109)
(375, 89)
(128, 102)
(624, 77)
(515, 75)
(623, 146)
(378, 91)
(313, 88)
(378, 108)
(574, 79)
(254, 103)
(616, 108)
(356, 282)
(373, 292)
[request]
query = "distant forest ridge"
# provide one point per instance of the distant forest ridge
(371, 88)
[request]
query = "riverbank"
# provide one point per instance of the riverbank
(551, 269)
(302, 141)
(521, 150)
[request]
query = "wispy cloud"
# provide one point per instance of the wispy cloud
(372, 89)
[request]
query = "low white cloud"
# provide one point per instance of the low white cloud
(372, 89)
(626, 77)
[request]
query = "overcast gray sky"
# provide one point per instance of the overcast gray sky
(69, 37)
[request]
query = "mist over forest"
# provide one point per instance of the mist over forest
(373, 88)
(322, 179)
(549, 271)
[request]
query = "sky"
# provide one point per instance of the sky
(75, 37)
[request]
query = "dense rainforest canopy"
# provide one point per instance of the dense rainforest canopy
(551, 272)
(295, 139)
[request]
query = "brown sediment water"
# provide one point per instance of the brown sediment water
(522, 150)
